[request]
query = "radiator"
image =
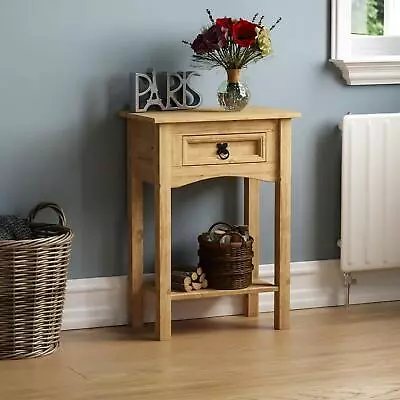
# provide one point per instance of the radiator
(370, 221)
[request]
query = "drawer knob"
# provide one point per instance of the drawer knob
(222, 151)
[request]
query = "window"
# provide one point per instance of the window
(368, 17)
(366, 40)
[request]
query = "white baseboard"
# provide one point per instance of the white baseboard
(100, 302)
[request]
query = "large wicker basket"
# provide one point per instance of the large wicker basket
(227, 266)
(33, 276)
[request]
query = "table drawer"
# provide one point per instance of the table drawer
(223, 149)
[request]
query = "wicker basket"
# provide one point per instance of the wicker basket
(33, 276)
(227, 266)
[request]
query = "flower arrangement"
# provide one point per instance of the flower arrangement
(232, 43)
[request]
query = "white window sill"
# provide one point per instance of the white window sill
(373, 71)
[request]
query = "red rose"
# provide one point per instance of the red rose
(225, 24)
(244, 33)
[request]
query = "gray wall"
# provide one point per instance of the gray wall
(64, 69)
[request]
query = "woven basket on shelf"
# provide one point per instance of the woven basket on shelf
(227, 266)
(33, 276)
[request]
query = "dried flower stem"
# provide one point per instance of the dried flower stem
(275, 24)
(210, 16)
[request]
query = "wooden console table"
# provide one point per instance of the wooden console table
(176, 148)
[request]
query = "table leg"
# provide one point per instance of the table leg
(163, 234)
(163, 261)
(135, 215)
(252, 219)
(282, 229)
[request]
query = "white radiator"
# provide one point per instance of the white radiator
(370, 226)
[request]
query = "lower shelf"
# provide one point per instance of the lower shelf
(255, 288)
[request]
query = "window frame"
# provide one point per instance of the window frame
(365, 60)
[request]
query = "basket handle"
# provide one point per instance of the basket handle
(62, 221)
(213, 226)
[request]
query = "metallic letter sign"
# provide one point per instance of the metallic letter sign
(179, 94)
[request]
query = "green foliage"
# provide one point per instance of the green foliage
(380, 6)
(375, 22)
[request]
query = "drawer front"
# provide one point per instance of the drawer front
(223, 149)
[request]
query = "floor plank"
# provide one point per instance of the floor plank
(329, 354)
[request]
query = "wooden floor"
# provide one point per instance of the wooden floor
(328, 354)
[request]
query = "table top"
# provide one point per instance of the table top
(210, 115)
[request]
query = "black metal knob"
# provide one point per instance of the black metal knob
(222, 151)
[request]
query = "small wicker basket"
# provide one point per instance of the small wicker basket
(33, 277)
(227, 265)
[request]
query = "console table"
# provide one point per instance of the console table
(171, 149)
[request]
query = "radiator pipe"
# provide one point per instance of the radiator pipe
(348, 280)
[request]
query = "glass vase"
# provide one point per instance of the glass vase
(233, 95)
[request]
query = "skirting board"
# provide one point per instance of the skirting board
(101, 302)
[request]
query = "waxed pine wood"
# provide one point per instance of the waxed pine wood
(247, 148)
(163, 235)
(252, 219)
(282, 229)
(212, 115)
(253, 290)
(135, 227)
(258, 286)
(174, 149)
